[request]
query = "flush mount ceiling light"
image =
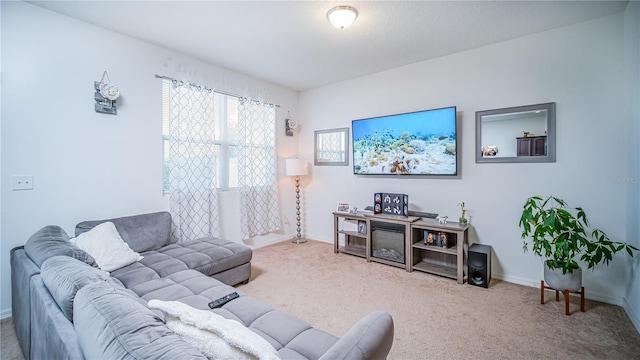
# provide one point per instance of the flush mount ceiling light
(342, 16)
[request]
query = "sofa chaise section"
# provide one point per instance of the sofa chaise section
(150, 235)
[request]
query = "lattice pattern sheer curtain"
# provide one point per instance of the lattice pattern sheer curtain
(192, 162)
(257, 169)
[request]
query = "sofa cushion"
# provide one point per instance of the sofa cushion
(208, 255)
(64, 276)
(187, 286)
(111, 323)
(106, 246)
(52, 241)
(142, 232)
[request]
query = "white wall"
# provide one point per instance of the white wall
(579, 67)
(632, 118)
(88, 165)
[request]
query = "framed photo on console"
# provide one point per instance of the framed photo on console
(343, 207)
(362, 227)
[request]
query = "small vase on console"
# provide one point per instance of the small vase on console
(463, 217)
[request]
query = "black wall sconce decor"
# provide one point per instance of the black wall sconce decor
(289, 124)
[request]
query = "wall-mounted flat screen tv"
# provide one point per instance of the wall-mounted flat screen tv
(416, 143)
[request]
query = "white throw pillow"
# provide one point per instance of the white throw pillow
(104, 243)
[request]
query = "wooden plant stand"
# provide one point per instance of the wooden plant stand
(566, 296)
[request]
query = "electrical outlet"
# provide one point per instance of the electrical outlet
(22, 182)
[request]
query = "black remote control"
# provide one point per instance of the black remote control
(223, 300)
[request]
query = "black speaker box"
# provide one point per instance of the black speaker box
(479, 265)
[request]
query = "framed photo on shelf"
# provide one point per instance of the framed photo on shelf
(429, 238)
(362, 227)
(343, 207)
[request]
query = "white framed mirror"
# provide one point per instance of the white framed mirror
(331, 147)
(516, 134)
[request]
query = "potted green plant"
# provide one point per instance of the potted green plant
(560, 234)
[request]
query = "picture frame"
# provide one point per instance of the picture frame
(443, 239)
(429, 238)
(343, 207)
(362, 227)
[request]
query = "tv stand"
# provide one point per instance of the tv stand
(449, 261)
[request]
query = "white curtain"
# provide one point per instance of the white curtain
(192, 162)
(257, 169)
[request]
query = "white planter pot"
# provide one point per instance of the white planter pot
(559, 281)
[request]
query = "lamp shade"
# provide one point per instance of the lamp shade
(342, 16)
(296, 167)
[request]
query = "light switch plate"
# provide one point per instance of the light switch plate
(22, 182)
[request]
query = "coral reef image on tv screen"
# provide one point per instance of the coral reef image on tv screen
(417, 143)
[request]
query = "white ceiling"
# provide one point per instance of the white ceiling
(291, 43)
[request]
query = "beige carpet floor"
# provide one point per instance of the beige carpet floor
(435, 318)
(9, 348)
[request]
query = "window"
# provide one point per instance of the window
(224, 139)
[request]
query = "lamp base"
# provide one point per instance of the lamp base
(296, 240)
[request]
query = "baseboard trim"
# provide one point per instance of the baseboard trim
(608, 299)
(5, 313)
(256, 243)
(320, 238)
(631, 314)
(516, 280)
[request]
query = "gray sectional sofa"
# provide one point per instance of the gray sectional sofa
(65, 307)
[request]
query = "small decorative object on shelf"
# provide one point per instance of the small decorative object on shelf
(362, 227)
(443, 219)
(463, 217)
(343, 207)
(490, 150)
(392, 204)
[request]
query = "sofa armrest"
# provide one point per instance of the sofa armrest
(370, 338)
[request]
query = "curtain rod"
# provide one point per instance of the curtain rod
(218, 91)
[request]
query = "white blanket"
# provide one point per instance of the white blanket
(215, 336)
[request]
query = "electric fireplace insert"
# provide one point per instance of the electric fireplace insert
(387, 241)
